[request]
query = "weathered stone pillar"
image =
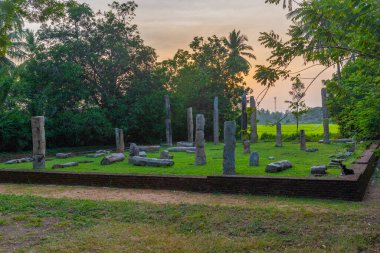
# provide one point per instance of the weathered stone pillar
(168, 122)
(244, 118)
(247, 147)
(119, 135)
(200, 155)
(278, 135)
(302, 140)
(216, 121)
(254, 136)
(326, 134)
(39, 142)
(190, 125)
(229, 148)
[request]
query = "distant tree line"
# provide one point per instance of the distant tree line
(312, 116)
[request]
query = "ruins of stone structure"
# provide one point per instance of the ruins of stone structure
(229, 148)
(168, 122)
(247, 147)
(39, 142)
(244, 117)
(190, 125)
(216, 120)
(200, 154)
(302, 140)
(326, 134)
(253, 120)
(278, 135)
(119, 136)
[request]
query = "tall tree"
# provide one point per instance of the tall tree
(238, 50)
(325, 33)
(297, 105)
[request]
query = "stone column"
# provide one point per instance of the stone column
(244, 118)
(190, 125)
(302, 140)
(200, 155)
(168, 122)
(326, 134)
(216, 121)
(229, 148)
(278, 135)
(247, 147)
(119, 136)
(254, 136)
(39, 142)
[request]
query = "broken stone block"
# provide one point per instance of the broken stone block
(278, 166)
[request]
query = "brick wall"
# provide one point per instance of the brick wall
(348, 187)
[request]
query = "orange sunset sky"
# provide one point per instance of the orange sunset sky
(169, 25)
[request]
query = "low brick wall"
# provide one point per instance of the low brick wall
(347, 187)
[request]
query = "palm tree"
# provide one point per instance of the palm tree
(238, 50)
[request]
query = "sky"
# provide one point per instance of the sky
(169, 25)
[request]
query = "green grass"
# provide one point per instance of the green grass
(313, 130)
(264, 224)
(184, 162)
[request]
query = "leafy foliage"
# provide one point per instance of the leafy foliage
(330, 33)
(195, 78)
(297, 105)
(355, 99)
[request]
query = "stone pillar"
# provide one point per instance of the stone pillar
(326, 134)
(278, 135)
(247, 147)
(229, 148)
(254, 136)
(216, 121)
(200, 155)
(190, 125)
(244, 118)
(168, 122)
(39, 142)
(119, 136)
(302, 140)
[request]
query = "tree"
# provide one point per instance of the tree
(297, 105)
(89, 73)
(238, 49)
(324, 33)
(354, 99)
(15, 12)
(193, 78)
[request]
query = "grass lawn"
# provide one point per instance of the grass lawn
(184, 162)
(257, 224)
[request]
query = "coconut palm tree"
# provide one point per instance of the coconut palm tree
(236, 43)
(239, 50)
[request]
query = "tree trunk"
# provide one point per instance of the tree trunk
(39, 142)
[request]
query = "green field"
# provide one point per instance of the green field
(289, 129)
(184, 162)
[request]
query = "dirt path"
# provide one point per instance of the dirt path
(165, 197)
